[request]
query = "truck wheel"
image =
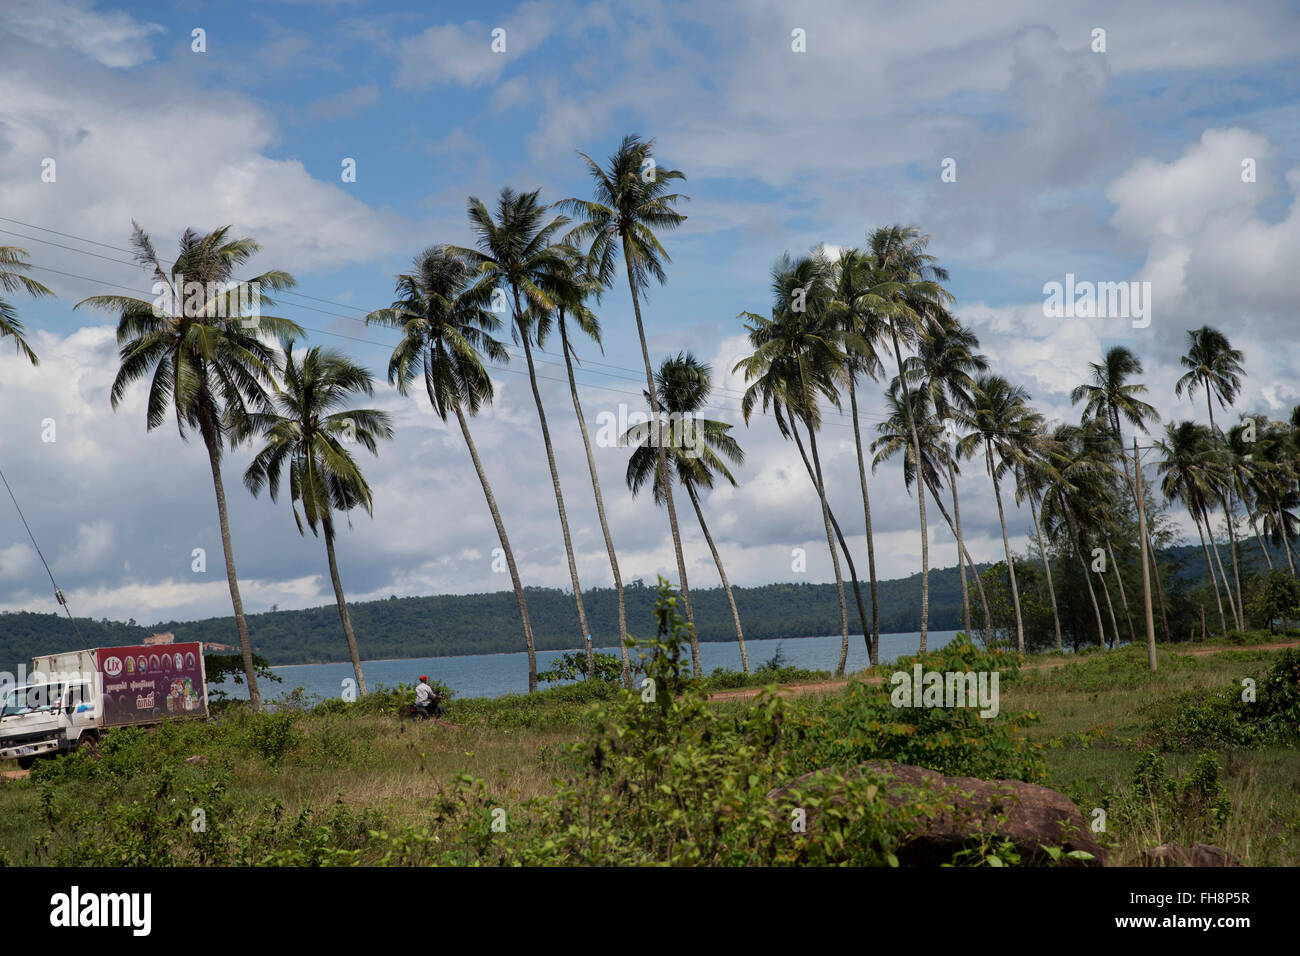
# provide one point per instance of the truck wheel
(25, 763)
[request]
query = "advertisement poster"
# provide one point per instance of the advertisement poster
(150, 682)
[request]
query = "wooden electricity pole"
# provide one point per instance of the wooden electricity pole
(1146, 567)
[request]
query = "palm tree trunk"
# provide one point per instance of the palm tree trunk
(505, 547)
(1047, 569)
(873, 648)
(920, 498)
(1087, 572)
(1131, 478)
(559, 498)
(1110, 607)
(1214, 547)
(1232, 549)
(1254, 526)
(1286, 545)
(344, 617)
(212, 440)
(961, 548)
(835, 556)
(664, 478)
(815, 474)
(1214, 582)
(600, 508)
(1123, 595)
(1006, 548)
(979, 583)
(722, 573)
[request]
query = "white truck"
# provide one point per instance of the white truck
(72, 698)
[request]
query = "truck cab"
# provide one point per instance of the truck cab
(45, 718)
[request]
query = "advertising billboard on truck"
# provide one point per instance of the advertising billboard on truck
(147, 683)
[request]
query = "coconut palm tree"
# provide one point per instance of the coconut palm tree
(795, 365)
(209, 363)
(856, 307)
(446, 330)
(1000, 410)
(570, 295)
(1277, 502)
(1111, 397)
(908, 280)
(1184, 451)
(697, 447)
(308, 428)
(944, 366)
(519, 253)
(632, 202)
(1213, 364)
(13, 263)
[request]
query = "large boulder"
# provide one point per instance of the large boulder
(983, 812)
(1198, 854)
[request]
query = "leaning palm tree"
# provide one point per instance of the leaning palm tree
(1184, 451)
(697, 447)
(632, 201)
(308, 428)
(446, 330)
(999, 411)
(795, 363)
(580, 282)
(518, 252)
(944, 367)
(908, 279)
(1213, 364)
(209, 363)
(13, 263)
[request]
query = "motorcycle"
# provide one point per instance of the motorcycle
(434, 711)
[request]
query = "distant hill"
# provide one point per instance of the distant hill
(455, 624)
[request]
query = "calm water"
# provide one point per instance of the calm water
(492, 675)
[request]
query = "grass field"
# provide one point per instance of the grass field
(338, 774)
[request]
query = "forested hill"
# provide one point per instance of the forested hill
(448, 625)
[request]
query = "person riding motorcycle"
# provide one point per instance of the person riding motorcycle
(426, 698)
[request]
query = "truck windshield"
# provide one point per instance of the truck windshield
(26, 700)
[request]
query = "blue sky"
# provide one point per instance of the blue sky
(1116, 165)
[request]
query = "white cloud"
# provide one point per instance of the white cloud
(112, 38)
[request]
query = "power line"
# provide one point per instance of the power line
(58, 593)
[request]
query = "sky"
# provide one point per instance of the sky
(1114, 142)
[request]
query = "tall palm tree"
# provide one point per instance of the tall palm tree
(855, 306)
(908, 280)
(944, 366)
(795, 363)
(13, 263)
(1111, 397)
(1185, 450)
(1244, 469)
(308, 428)
(570, 295)
(999, 411)
(1277, 502)
(210, 365)
(446, 330)
(697, 447)
(632, 202)
(518, 250)
(1213, 364)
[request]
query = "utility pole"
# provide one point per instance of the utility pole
(1146, 567)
